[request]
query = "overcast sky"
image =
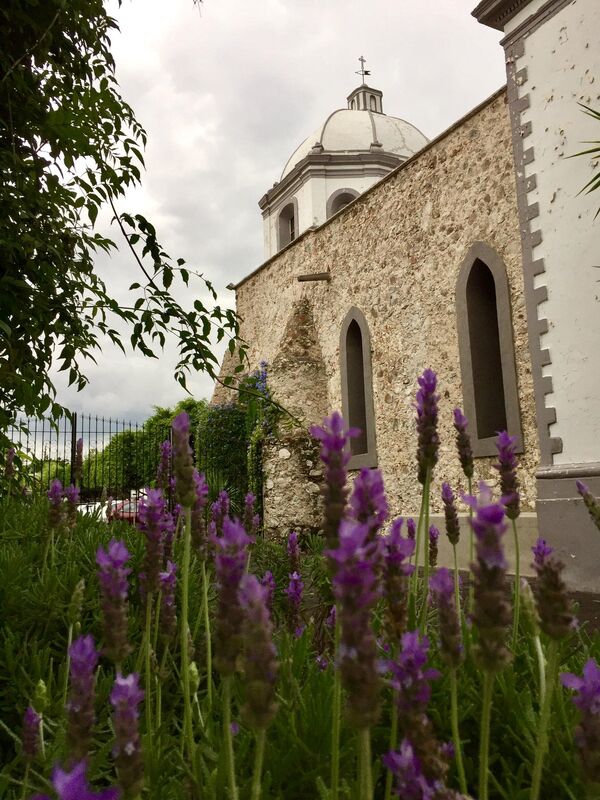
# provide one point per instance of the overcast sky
(226, 93)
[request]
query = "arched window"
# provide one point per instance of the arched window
(339, 199)
(373, 103)
(487, 359)
(287, 223)
(357, 388)
(353, 105)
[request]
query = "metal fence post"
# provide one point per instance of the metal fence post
(73, 445)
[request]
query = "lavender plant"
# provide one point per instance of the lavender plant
(587, 733)
(452, 532)
(80, 705)
(509, 487)
(74, 785)
(114, 587)
(125, 698)
(465, 456)
(590, 502)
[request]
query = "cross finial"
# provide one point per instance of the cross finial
(362, 71)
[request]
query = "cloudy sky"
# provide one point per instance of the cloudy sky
(226, 93)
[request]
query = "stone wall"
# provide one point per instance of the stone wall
(395, 253)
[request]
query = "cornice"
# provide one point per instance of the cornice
(496, 13)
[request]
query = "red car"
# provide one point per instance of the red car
(125, 510)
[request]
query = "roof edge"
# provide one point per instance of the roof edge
(473, 112)
(496, 13)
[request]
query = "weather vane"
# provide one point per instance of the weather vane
(362, 71)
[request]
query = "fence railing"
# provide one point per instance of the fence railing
(119, 457)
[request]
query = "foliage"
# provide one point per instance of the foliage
(70, 146)
(594, 183)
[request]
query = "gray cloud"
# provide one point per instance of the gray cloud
(227, 94)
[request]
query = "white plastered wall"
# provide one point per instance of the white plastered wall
(562, 58)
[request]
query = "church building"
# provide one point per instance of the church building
(473, 254)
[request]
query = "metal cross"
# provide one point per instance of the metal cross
(362, 71)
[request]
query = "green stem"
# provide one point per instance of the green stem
(157, 619)
(415, 576)
(517, 586)
(456, 733)
(208, 642)
(389, 778)
(471, 547)
(67, 666)
(42, 738)
(425, 607)
(25, 782)
(541, 660)
(484, 736)
(258, 763)
(148, 660)
(546, 707)
(336, 708)
(365, 781)
(163, 661)
(188, 734)
(228, 739)
(456, 583)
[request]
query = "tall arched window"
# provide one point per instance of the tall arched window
(487, 359)
(287, 224)
(357, 387)
(339, 199)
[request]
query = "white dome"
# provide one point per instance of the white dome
(353, 131)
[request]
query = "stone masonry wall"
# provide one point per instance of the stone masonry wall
(395, 253)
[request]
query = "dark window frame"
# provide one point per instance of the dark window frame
(481, 252)
(368, 459)
(329, 212)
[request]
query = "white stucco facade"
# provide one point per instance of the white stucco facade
(562, 62)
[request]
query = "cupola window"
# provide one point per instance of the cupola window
(287, 224)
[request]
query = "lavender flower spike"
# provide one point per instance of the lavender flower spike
(183, 466)
(294, 596)
(592, 505)
(251, 520)
(427, 417)
(260, 664)
(411, 528)
(125, 698)
(450, 514)
(55, 496)
(230, 564)
(434, 536)
(293, 551)
(507, 467)
(368, 502)
(9, 466)
(355, 591)
(74, 786)
(168, 610)
(219, 510)
(552, 600)
(114, 586)
(80, 705)
(154, 521)
(78, 466)
(492, 612)
(410, 782)
(587, 700)
(199, 534)
(163, 473)
(463, 443)
(396, 571)
(268, 583)
(441, 586)
(31, 733)
(335, 454)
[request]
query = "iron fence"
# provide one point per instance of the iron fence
(119, 457)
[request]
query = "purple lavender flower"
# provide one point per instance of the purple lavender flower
(331, 618)
(55, 496)
(355, 591)
(294, 596)
(183, 466)
(335, 454)
(552, 600)
(411, 681)
(427, 416)
(368, 503)
(9, 467)
(268, 583)
(293, 551)
(450, 514)
(30, 739)
(219, 510)
(80, 705)
(154, 521)
(492, 612)
(230, 563)
(163, 473)
(396, 571)
(260, 664)
(251, 520)
(114, 587)
(199, 534)
(125, 698)
(434, 535)
(411, 529)
(590, 502)
(463, 443)
(322, 662)
(507, 467)
(441, 586)
(410, 783)
(72, 496)
(168, 609)
(74, 786)
(587, 700)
